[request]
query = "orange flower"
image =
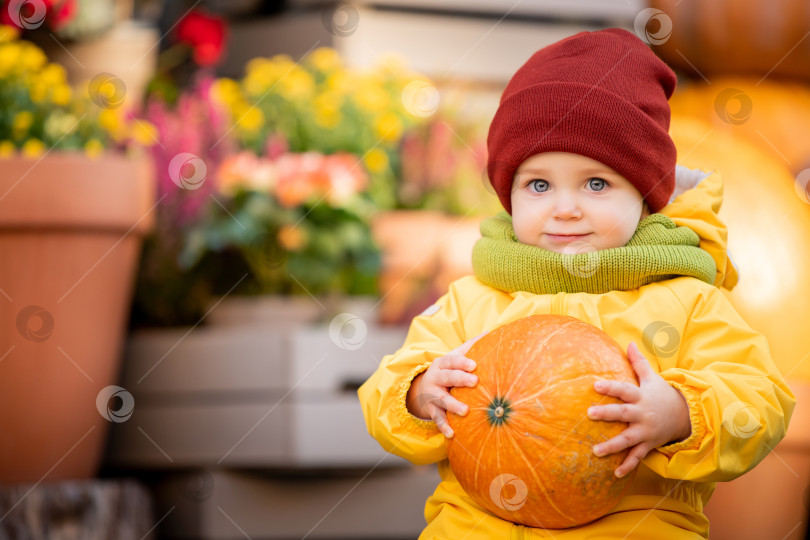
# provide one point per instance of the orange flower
(246, 171)
(301, 177)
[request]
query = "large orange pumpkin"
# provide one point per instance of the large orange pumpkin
(768, 222)
(772, 115)
(525, 449)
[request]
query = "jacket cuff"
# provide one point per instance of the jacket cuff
(406, 418)
(696, 420)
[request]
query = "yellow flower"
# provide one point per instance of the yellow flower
(93, 148)
(33, 148)
(292, 238)
(282, 63)
(31, 57)
(61, 94)
(145, 133)
(112, 123)
(388, 127)
(7, 148)
(39, 92)
(52, 74)
(226, 91)
(263, 73)
(260, 78)
(296, 85)
(376, 160)
(342, 82)
(8, 33)
(22, 123)
(327, 109)
(249, 118)
(9, 53)
(325, 59)
(371, 97)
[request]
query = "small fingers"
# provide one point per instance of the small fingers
(455, 377)
(467, 345)
(454, 360)
(627, 392)
(440, 419)
(639, 363)
(632, 460)
(614, 412)
(444, 402)
(626, 439)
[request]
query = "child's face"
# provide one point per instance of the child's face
(573, 204)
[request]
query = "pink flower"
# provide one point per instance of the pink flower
(347, 177)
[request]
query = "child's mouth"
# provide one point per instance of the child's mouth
(565, 237)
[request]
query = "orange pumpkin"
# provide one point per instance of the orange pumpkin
(524, 451)
(772, 115)
(768, 218)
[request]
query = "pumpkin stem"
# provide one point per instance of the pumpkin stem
(498, 411)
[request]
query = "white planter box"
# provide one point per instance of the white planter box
(250, 396)
(230, 505)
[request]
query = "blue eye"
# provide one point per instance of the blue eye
(597, 184)
(538, 186)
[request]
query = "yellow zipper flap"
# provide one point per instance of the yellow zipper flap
(516, 533)
(558, 304)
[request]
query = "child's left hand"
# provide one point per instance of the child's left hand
(657, 413)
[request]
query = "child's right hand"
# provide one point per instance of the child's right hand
(429, 395)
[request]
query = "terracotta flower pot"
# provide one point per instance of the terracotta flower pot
(70, 235)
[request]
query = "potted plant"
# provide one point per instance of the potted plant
(273, 192)
(75, 200)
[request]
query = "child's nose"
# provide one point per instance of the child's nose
(566, 206)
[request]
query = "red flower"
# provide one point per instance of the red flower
(205, 34)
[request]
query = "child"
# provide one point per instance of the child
(580, 156)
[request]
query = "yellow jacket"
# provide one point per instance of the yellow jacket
(739, 404)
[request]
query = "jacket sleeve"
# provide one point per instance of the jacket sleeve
(431, 335)
(739, 404)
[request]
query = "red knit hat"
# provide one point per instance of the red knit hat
(600, 94)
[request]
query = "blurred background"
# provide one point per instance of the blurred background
(216, 217)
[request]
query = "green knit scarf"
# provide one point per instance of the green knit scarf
(658, 250)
